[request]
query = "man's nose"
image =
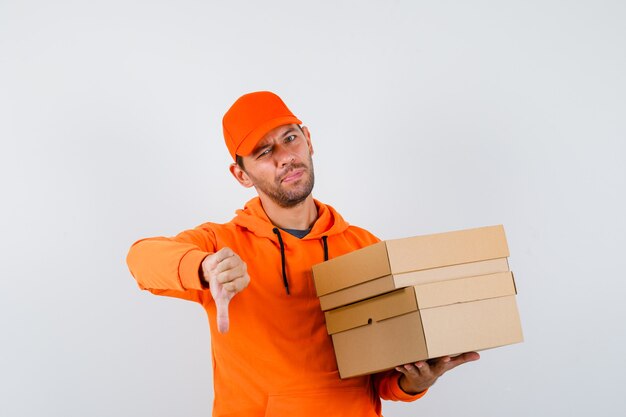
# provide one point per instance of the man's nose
(283, 156)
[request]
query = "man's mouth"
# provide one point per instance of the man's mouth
(292, 176)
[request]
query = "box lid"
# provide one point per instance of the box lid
(410, 254)
(372, 310)
(424, 296)
(463, 290)
(353, 268)
(388, 283)
(442, 249)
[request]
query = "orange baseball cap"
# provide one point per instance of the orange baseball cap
(251, 117)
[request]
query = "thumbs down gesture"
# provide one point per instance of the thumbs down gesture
(226, 275)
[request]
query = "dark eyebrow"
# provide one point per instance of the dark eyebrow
(289, 131)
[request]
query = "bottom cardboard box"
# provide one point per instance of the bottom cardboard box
(424, 322)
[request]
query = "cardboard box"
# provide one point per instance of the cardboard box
(390, 283)
(425, 321)
(389, 265)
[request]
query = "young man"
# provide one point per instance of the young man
(270, 350)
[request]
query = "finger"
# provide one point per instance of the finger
(442, 365)
(421, 367)
(222, 314)
(466, 357)
(408, 371)
(411, 369)
(439, 365)
(213, 260)
(401, 369)
(463, 358)
(437, 362)
(234, 262)
(234, 286)
(230, 275)
(222, 254)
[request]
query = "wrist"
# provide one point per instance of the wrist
(204, 280)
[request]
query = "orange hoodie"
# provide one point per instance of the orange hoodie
(277, 359)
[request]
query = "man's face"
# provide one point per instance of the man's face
(281, 166)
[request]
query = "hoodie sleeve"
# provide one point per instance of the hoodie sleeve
(170, 266)
(387, 385)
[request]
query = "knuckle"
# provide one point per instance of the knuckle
(241, 284)
(210, 261)
(223, 265)
(223, 277)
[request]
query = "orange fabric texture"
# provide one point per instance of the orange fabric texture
(277, 359)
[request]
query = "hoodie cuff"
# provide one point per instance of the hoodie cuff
(400, 395)
(188, 270)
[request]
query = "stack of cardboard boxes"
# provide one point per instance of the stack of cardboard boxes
(404, 300)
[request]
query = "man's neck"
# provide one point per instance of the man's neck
(299, 217)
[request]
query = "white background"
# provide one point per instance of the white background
(425, 116)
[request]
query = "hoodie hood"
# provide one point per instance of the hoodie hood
(254, 218)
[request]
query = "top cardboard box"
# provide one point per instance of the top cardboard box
(393, 258)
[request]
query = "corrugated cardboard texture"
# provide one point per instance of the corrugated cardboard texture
(423, 296)
(371, 311)
(442, 249)
(462, 290)
(454, 316)
(389, 283)
(471, 326)
(471, 269)
(347, 270)
(410, 254)
(358, 292)
(380, 346)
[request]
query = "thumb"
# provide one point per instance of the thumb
(222, 314)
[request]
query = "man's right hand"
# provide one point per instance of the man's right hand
(226, 274)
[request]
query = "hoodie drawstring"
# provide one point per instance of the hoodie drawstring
(282, 255)
(282, 258)
(325, 242)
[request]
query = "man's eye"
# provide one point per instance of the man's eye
(266, 151)
(290, 138)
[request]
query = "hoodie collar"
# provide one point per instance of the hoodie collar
(254, 218)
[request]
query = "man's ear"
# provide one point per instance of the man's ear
(307, 135)
(240, 175)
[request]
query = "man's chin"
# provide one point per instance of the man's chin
(292, 201)
(288, 195)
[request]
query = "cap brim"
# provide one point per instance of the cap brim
(249, 143)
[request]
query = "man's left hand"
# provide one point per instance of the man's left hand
(419, 376)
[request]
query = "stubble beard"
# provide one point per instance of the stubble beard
(287, 198)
